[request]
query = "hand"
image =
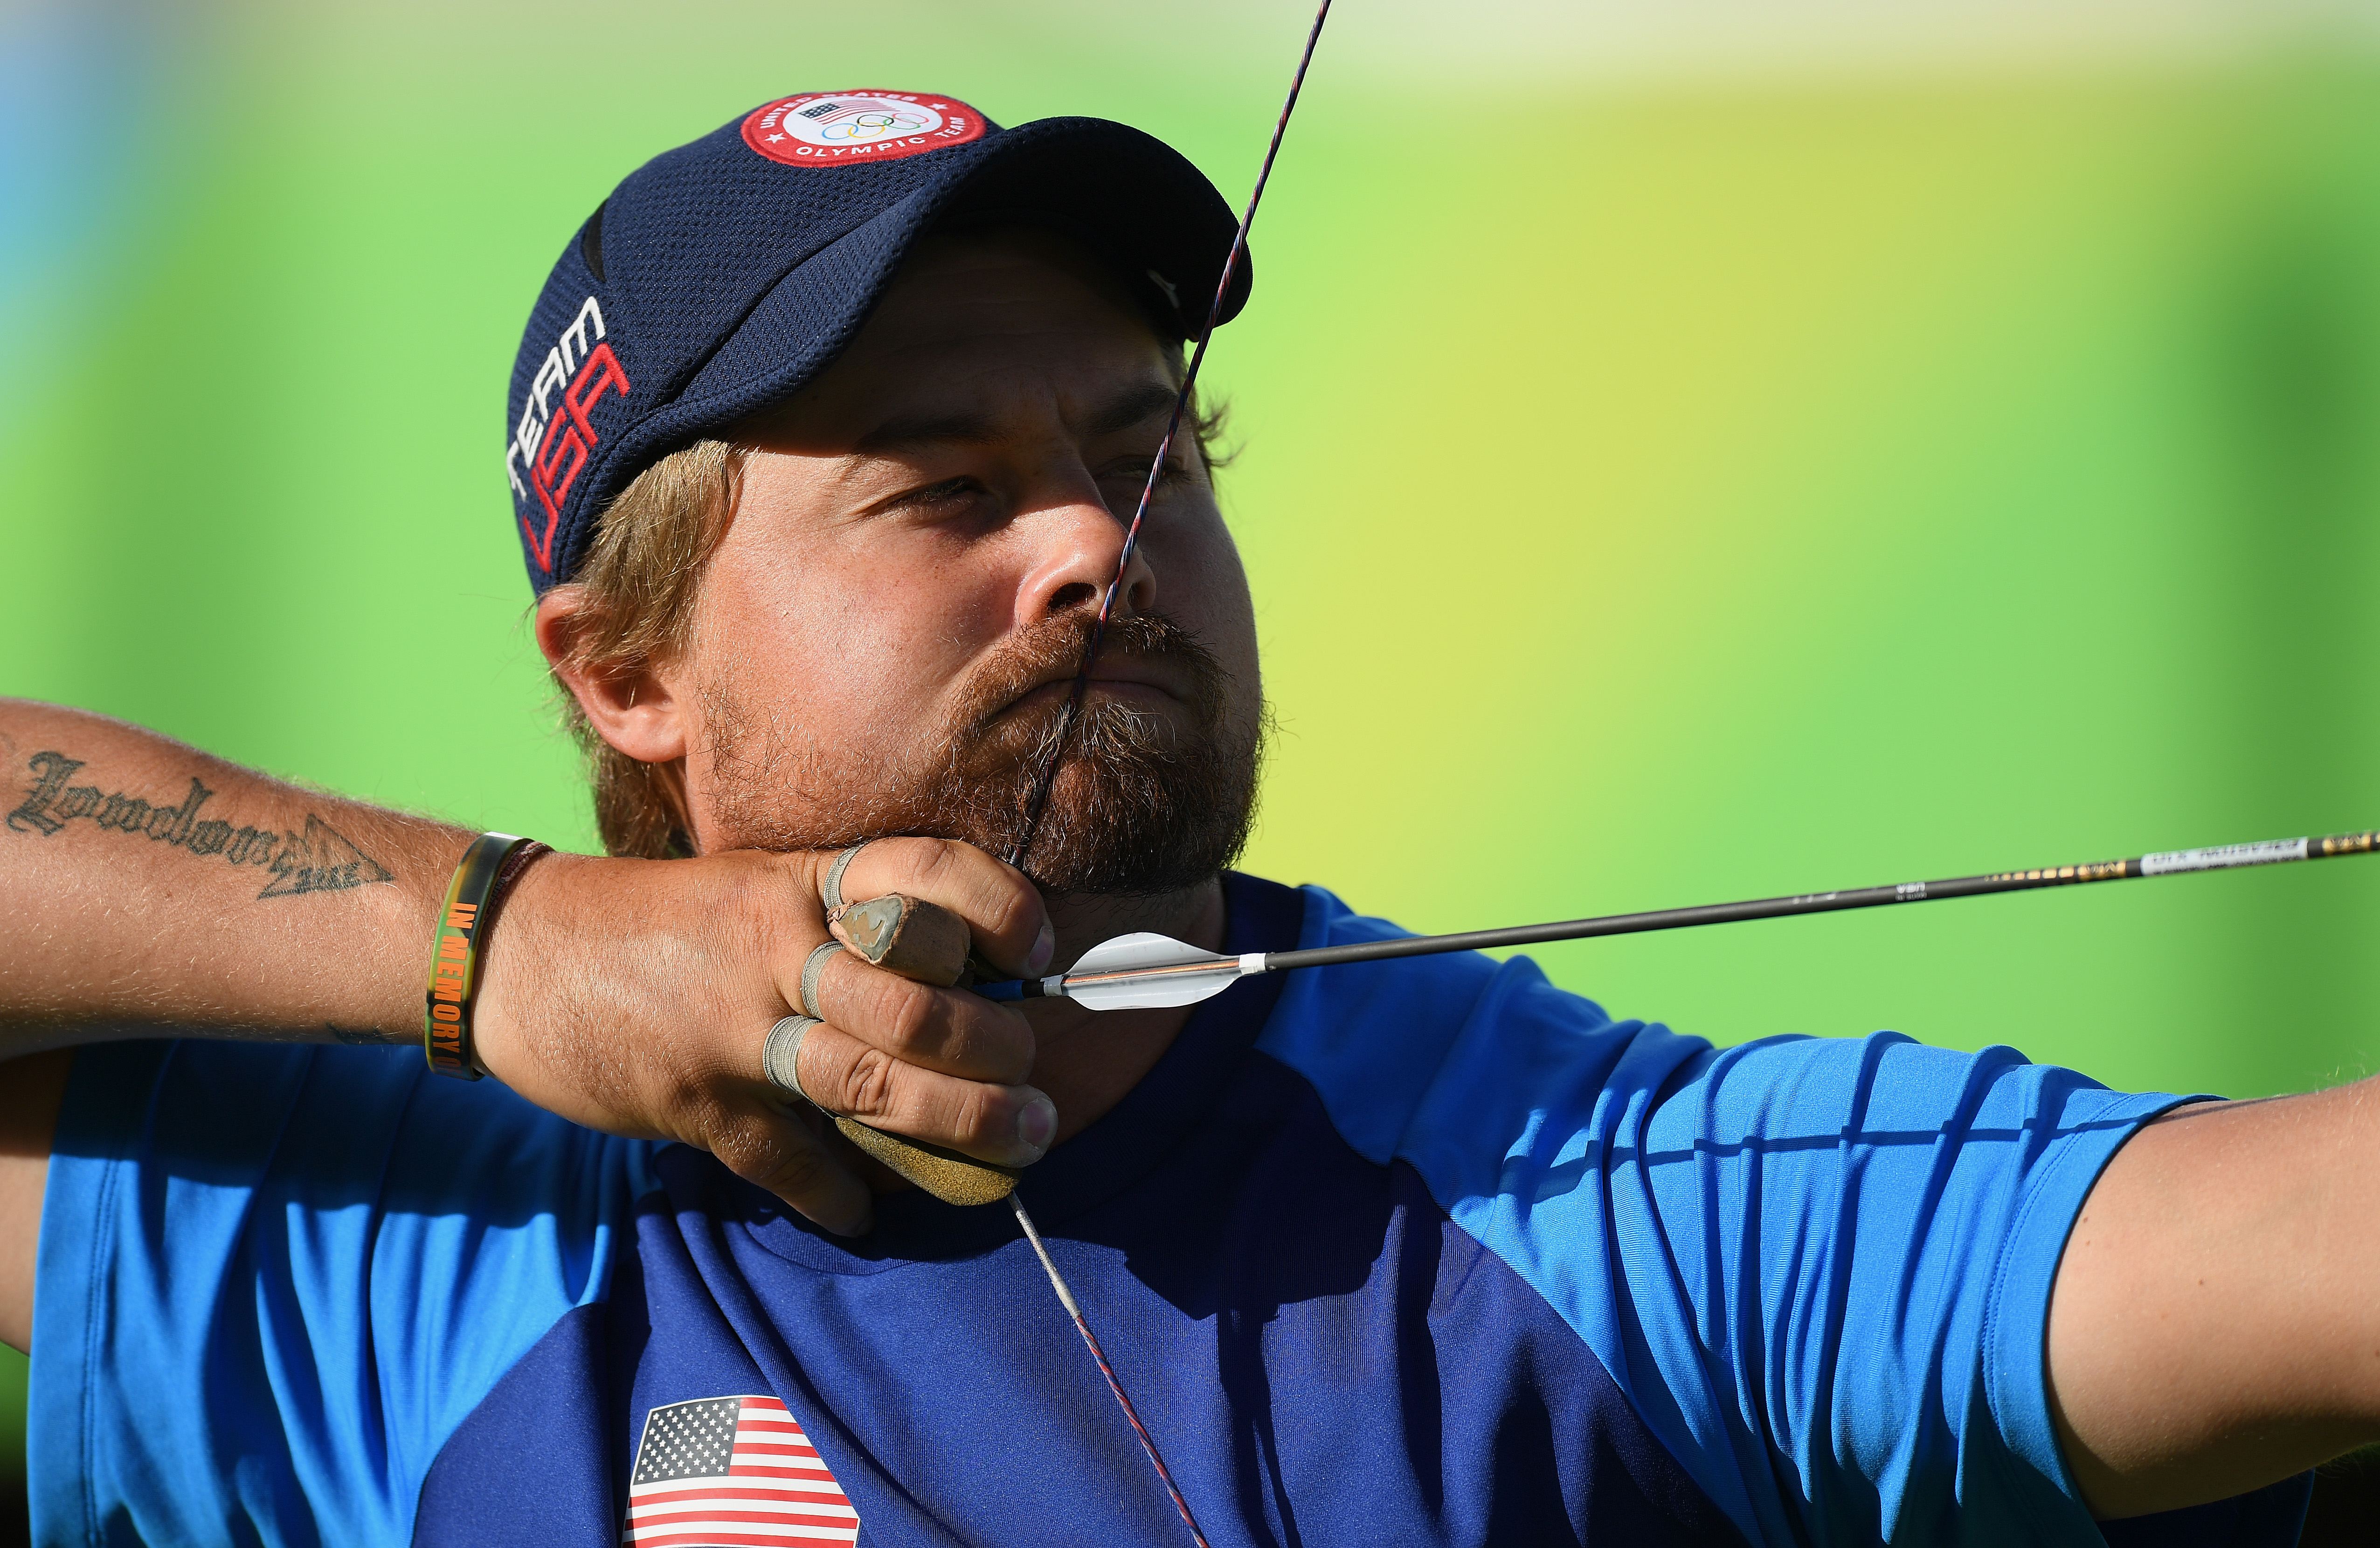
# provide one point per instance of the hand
(634, 996)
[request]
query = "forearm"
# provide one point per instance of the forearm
(2217, 1320)
(147, 887)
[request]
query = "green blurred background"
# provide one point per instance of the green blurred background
(1689, 453)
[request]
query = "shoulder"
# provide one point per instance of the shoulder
(1451, 1063)
(213, 1204)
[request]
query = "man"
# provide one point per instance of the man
(818, 443)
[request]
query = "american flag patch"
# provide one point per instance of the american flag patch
(732, 1472)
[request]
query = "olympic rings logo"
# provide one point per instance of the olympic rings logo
(831, 128)
(869, 124)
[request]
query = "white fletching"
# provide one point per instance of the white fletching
(1149, 971)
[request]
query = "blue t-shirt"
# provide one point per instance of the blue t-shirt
(1423, 1251)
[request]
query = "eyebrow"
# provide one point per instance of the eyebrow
(1133, 406)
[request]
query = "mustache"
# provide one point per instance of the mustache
(1055, 650)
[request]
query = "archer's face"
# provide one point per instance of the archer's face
(892, 622)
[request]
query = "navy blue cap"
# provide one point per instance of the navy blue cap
(723, 275)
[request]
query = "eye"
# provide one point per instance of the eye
(947, 496)
(1125, 478)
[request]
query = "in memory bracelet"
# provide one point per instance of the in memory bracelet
(488, 869)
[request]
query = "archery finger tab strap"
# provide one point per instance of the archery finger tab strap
(781, 1055)
(814, 968)
(830, 894)
(928, 943)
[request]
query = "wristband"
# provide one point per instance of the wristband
(489, 867)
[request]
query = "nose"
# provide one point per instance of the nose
(1076, 546)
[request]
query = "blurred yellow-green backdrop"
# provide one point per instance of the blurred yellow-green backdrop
(1690, 452)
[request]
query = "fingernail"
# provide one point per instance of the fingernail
(1035, 1124)
(859, 1225)
(1045, 945)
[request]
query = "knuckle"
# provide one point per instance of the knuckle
(838, 986)
(884, 1008)
(793, 890)
(939, 861)
(987, 1115)
(793, 1169)
(909, 1020)
(992, 1041)
(909, 855)
(695, 1110)
(1013, 911)
(743, 1145)
(745, 911)
(868, 1081)
(995, 898)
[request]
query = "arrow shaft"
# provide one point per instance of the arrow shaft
(2271, 851)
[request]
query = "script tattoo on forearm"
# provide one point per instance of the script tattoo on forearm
(321, 859)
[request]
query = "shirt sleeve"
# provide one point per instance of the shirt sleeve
(1847, 1249)
(271, 1280)
(1820, 1268)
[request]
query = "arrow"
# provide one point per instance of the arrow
(1148, 971)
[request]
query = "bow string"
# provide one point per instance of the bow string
(1048, 777)
(1039, 798)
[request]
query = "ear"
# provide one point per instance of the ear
(631, 707)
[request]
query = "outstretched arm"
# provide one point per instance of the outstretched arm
(2215, 1323)
(148, 889)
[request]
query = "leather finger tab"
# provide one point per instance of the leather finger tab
(947, 1175)
(908, 936)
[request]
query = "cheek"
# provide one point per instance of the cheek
(1202, 586)
(860, 652)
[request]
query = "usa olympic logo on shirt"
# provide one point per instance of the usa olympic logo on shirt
(732, 1471)
(831, 128)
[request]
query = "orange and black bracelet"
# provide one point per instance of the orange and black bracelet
(489, 868)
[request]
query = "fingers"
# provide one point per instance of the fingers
(931, 1064)
(1010, 1125)
(788, 1153)
(948, 1030)
(1001, 909)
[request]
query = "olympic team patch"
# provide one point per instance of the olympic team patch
(830, 129)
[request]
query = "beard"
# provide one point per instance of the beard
(1143, 803)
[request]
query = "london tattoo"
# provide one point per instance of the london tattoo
(321, 859)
